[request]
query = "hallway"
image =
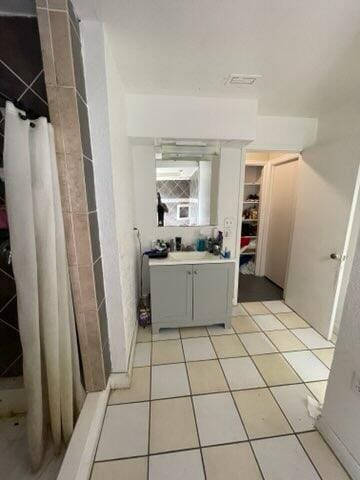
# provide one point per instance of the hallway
(254, 289)
(217, 404)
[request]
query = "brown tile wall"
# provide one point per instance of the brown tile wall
(64, 77)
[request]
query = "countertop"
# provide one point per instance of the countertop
(189, 258)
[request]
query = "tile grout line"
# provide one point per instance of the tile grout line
(10, 365)
(238, 412)
(193, 409)
(239, 442)
(245, 441)
(308, 456)
(149, 419)
(9, 325)
(296, 434)
(7, 274)
(7, 303)
(269, 387)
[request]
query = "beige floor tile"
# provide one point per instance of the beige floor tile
(324, 460)
(238, 310)
(191, 332)
(131, 469)
(228, 346)
(326, 355)
(292, 320)
(260, 413)
(169, 381)
(307, 366)
(244, 324)
(230, 462)
(198, 349)
(124, 432)
(139, 389)
(206, 377)
(268, 322)
(183, 465)
(217, 419)
(285, 341)
(318, 389)
(257, 343)
(283, 458)
(142, 355)
(255, 308)
(275, 370)
(172, 425)
(166, 334)
(143, 334)
(277, 306)
(241, 373)
(167, 351)
(293, 401)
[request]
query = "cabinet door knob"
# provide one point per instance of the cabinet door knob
(189, 272)
(195, 272)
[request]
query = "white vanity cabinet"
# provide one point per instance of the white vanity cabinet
(191, 294)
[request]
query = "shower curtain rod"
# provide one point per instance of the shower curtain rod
(29, 114)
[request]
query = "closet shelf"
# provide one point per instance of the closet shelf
(252, 183)
(251, 202)
(249, 220)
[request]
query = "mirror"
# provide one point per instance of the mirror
(186, 186)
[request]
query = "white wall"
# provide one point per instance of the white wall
(145, 200)
(339, 134)
(123, 195)
(340, 417)
(160, 116)
(113, 186)
(284, 133)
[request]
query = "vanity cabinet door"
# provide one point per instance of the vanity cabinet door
(171, 293)
(213, 291)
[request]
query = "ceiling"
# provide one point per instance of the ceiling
(307, 51)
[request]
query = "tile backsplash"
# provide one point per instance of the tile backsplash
(179, 192)
(22, 79)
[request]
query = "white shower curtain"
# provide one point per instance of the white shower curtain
(45, 310)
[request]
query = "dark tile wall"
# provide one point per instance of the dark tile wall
(21, 79)
(64, 76)
(183, 190)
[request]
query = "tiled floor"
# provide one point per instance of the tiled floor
(210, 403)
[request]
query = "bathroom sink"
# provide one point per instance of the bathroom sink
(184, 256)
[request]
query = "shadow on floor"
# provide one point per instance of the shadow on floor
(256, 289)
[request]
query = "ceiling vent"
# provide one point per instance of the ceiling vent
(241, 79)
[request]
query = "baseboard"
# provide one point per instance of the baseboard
(123, 379)
(81, 450)
(346, 459)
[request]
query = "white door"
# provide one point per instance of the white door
(324, 215)
(283, 177)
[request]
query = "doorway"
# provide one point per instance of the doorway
(268, 202)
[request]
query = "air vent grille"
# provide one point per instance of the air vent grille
(241, 79)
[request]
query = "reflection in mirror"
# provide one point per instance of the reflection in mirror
(187, 186)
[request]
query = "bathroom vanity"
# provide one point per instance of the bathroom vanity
(191, 289)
